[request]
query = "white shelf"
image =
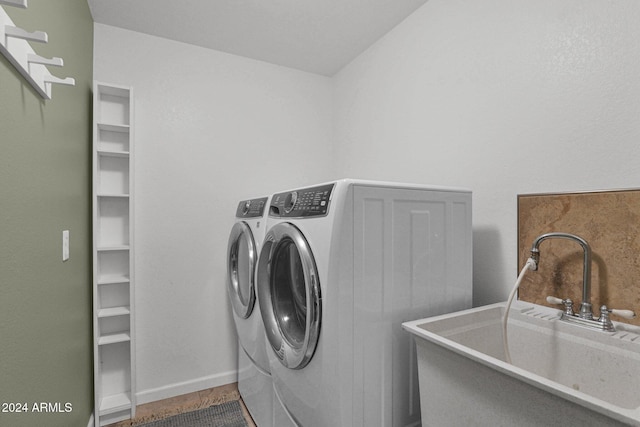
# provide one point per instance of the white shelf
(114, 338)
(113, 153)
(113, 248)
(114, 311)
(114, 90)
(113, 279)
(112, 138)
(115, 403)
(113, 304)
(113, 127)
(125, 196)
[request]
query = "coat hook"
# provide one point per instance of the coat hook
(19, 33)
(37, 59)
(52, 79)
(16, 3)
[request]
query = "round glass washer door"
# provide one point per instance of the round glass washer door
(241, 267)
(289, 295)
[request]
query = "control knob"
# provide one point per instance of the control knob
(290, 201)
(245, 207)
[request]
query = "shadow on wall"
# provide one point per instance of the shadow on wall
(488, 262)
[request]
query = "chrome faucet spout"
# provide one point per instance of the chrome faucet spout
(586, 311)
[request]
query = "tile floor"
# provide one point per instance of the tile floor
(185, 403)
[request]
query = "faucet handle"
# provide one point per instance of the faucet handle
(554, 300)
(627, 314)
(568, 304)
(606, 323)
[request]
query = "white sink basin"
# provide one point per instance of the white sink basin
(561, 373)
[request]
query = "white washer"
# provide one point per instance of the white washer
(343, 264)
(254, 373)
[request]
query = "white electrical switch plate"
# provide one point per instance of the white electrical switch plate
(65, 245)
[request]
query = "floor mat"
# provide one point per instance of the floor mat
(227, 414)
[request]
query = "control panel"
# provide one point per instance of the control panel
(251, 208)
(307, 202)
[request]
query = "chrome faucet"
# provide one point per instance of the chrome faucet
(585, 316)
(586, 312)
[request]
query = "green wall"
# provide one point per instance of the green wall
(45, 188)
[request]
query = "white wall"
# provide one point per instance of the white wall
(503, 97)
(210, 128)
(500, 96)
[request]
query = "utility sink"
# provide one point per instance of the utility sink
(562, 374)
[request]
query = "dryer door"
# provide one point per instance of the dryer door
(241, 266)
(289, 295)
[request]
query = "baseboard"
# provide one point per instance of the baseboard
(177, 389)
(91, 421)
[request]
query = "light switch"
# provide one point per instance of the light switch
(65, 245)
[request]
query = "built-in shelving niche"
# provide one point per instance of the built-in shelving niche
(114, 337)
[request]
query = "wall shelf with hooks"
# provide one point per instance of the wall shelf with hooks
(14, 45)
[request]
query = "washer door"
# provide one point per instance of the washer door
(289, 295)
(241, 266)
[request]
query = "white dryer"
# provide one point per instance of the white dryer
(343, 264)
(254, 373)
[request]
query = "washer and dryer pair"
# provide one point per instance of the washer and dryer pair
(342, 265)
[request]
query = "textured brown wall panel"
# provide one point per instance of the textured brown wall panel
(609, 221)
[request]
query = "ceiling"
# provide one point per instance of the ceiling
(318, 36)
